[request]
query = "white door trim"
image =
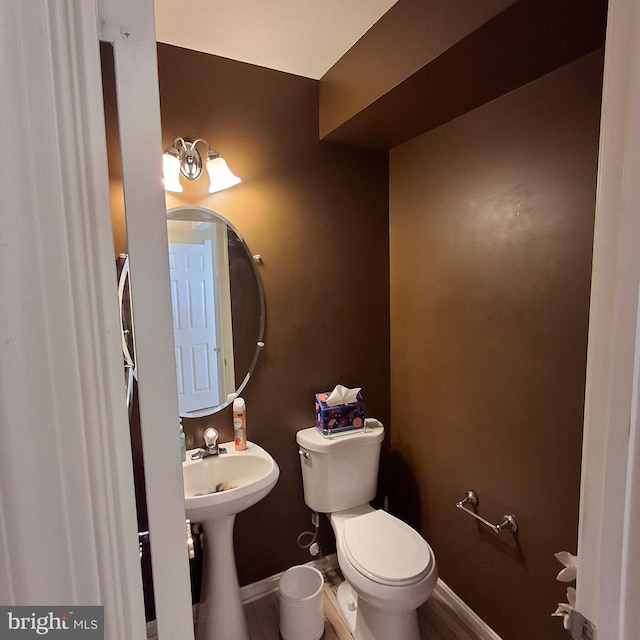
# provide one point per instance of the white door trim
(130, 27)
(609, 530)
(68, 531)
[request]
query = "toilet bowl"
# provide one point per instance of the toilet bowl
(389, 568)
(389, 571)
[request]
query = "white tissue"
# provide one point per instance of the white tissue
(342, 395)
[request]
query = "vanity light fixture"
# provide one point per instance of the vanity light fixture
(184, 158)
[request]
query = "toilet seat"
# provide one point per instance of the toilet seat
(385, 549)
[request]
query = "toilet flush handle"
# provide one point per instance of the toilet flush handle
(304, 454)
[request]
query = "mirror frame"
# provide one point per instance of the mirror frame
(188, 213)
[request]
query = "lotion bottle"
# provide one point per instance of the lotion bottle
(240, 424)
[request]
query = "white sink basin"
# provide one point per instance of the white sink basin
(252, 473)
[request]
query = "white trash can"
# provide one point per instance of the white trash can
(301, 605)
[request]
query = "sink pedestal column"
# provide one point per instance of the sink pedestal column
(221, 614)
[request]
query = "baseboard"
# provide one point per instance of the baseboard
(445, 604)
(259, 589)
(457, 615)
(453, 612)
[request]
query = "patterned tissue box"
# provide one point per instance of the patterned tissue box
(342, 417)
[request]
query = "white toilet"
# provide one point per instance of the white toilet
(389, 568)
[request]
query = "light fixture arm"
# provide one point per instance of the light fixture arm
(190, 157)
(190, 163)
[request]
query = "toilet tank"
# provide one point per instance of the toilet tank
(341, 472)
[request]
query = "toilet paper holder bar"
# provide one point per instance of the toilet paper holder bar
(508, 522)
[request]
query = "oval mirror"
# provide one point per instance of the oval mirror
(218, 309)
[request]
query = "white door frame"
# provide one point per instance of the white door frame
(130, 27)
(608, 587)
(68, 531)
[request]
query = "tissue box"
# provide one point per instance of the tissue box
(342, 417)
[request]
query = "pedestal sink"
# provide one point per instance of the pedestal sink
(252, 474)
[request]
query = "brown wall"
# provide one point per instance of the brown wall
(377, 62)
(491, 219)
(317, 212)
(425, 63)
(491, 227)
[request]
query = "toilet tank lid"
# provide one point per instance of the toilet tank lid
(312, 440)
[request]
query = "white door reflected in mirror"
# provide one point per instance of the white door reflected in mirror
(218, 309)
(197, 335)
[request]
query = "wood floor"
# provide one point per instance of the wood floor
(263, 617)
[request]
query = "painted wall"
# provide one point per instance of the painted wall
(317, 213)
(491, 226)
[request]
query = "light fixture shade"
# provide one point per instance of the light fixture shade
(220, 175)
(171, 168)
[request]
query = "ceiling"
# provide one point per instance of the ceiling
(303, 37)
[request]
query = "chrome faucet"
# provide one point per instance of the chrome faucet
(210, 446)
